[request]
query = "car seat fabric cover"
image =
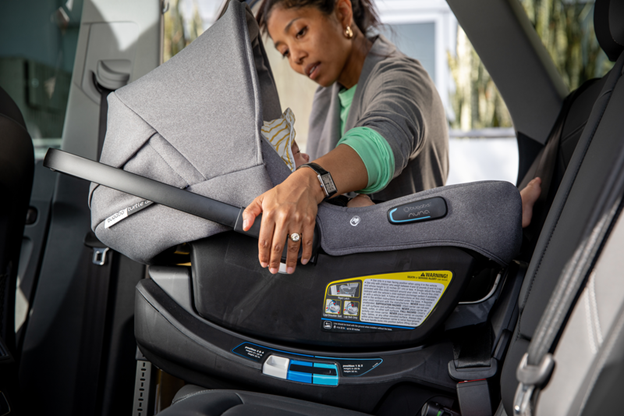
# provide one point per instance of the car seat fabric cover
(481, 216)
(195, 122)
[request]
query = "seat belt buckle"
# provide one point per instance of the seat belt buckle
(476, 372)
(530, 378)
(474, 398)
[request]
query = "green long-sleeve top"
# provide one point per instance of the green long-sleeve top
(372, 148)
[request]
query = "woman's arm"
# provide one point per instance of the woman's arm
(291, 207)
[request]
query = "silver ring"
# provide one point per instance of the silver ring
(295, 237)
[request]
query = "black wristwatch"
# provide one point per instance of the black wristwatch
(325, 179)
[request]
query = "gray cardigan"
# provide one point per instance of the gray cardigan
(395, 97)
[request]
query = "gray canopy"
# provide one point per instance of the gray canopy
(194, 123)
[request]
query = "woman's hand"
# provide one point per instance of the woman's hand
(291, 207)
(288, 208)
(529, 196)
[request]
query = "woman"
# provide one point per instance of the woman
(377, 123)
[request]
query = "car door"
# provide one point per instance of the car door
(73, 316)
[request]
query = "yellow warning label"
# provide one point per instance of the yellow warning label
(402, 300)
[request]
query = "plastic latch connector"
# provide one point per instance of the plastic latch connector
(99, 255)
(473, 373)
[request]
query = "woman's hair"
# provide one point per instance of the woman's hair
(364, 13)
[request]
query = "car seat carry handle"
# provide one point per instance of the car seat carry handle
(155, 191)
(160, 193)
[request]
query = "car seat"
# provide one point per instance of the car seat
(588, 199)
(225, 318)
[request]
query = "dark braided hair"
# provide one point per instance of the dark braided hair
(364, 13)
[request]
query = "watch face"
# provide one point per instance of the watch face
(329, 184)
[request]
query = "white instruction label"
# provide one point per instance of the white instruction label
(398, 302)
(383, 302)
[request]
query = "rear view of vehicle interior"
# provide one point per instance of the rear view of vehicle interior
(528, 322)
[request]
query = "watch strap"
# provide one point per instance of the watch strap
(325, 179)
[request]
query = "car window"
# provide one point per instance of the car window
(429, 32)
(566, 28)
(185, 20)
(37, 53)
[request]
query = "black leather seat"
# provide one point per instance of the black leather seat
(16, 175)
(190, 402)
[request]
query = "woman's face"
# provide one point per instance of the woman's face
(312, 42)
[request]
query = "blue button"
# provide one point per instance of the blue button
(323, 365)
(300, 377)
(304, 363)
(325, 380)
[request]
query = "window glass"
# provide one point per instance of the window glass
(475, 101)
(416, 40)
(566, 28)
(37, 51)
(185, 21)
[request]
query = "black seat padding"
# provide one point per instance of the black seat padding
(17, 166)
(575, 113)
(243, 403)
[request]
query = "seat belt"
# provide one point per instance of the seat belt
(538, 362)
(472, 365)
(101, 263)
(478, 349)
(104, 92)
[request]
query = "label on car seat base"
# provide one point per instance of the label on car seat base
(383, 302)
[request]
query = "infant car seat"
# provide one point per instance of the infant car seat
(377, 305)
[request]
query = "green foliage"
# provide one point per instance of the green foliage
(566, 29)
(476, 102)
(176, 37)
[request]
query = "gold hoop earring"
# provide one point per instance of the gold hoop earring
(348, 32)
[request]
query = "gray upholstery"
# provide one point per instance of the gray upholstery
(482, 216)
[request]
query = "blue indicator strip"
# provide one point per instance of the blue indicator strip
(408, 220)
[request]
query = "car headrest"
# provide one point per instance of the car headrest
(609, 26)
